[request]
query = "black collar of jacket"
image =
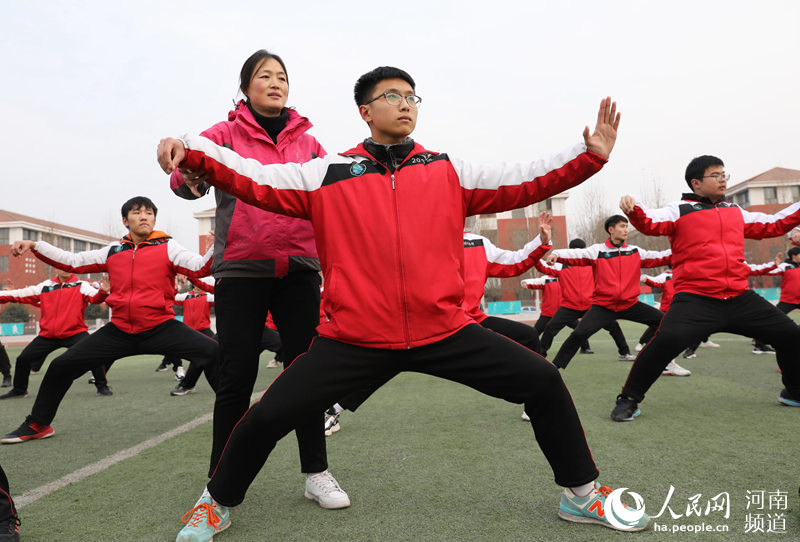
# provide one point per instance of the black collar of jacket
(390, 156)
(691, 196)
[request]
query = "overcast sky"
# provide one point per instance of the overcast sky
(88, 88)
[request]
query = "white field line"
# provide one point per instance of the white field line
(37, 493)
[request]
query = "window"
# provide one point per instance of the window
(30, 235)
(742, 199)
(795, 195)
(64, 243)
(80, 246)
(3, 264)
(94, 246)
(770, 195)
(4, 236)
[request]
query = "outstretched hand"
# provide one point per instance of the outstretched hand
(602, 140)
(170, 153)
(627, 203)
(545, 227)
(551, 258)
(778, 258)
(21, 247)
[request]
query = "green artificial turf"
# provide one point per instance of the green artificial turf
(425, 459)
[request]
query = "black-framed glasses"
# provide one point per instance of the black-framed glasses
(393, 98)
(719, 176)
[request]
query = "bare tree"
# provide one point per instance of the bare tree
(587, 221)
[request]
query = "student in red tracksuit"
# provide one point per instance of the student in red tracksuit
(482, 259)
(197, 315)
(711, 291)
(789, 270)
(63, 302)
(141, 270)
(387, 217)
(616, 267)
(576, 298)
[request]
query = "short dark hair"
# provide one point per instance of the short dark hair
(250, 65)
(613, 221)
(792, 252)
(136, 203)
(697, 167)
(366, 84)
(577, 243)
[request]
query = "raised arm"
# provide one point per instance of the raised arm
(491, 189)
(89, 261)
(280, 188)
(761, 225)
(29, 295)
(757, 269)
(186, 262)
(508, 263)
(654, 222)
(655, 258)
(574, 256)
(534, 284)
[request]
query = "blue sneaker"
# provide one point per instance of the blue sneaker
(788, 399)
(204, 521)
(594, 508)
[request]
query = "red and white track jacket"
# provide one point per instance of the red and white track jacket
(63, 304)
(708, 240)
(664, 283)
(790, 281)
(142, 276)
(196, 309)
(482, 260)
(577, 284)
(390, 243)
(206, 284)
(616, 270)
(551, 293)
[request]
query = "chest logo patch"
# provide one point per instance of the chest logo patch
(357, 169)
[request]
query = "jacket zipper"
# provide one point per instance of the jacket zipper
(400, 262)
(727, 266)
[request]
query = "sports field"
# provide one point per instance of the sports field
(424, 459)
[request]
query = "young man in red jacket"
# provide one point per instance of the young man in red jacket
(616, 267)
(576, 298)
(710, 275)
(141, 269)
(387, 218)
(63, 301)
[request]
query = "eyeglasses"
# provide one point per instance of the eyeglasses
(719, 176)
(393, 98)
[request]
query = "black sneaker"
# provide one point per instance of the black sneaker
(626, 410)
(180, 391)
(104, 391)
(765, 349)
(91, 380)
(14, 394)
(161, 367)
(9, 531)
(689, 353)
(587, 351)
(6, 381)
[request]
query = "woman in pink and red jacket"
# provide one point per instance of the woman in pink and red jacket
(263, 262)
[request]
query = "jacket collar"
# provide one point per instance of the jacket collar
(296, 124)
(691, 196)
(72, 278)
(152, 239)
(609, 244)
(360, 150)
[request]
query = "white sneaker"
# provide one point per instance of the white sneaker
(709, 344)
(331, 422)
(626, 357)
(323, 488)
(639, 347)
(525, 416)
(673, 369)
(179, 374)
(272, 364)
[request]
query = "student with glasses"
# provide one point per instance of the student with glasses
(387, 215)
(709, 271)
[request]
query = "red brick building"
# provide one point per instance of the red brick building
(19, 272)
